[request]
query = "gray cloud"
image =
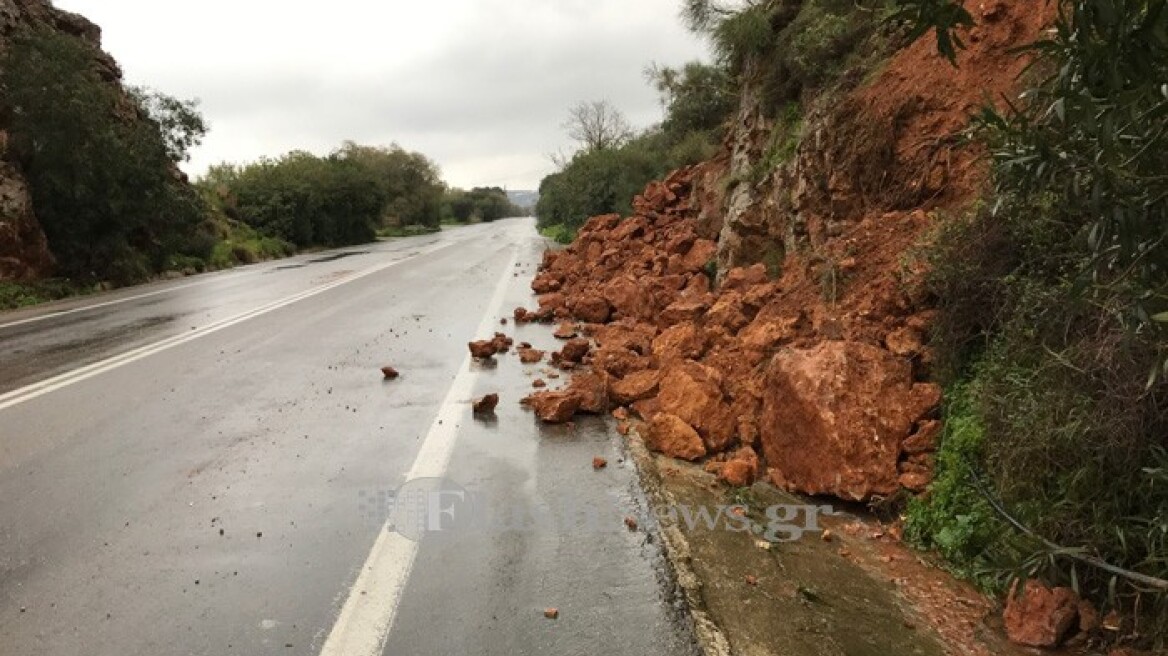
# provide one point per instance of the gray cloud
(480, 86)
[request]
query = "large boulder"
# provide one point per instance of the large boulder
(835, 418)
(673, 436)
(693, 392)
(1040, 616)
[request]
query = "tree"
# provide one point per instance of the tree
(179, 121)
(597, 125)
(411, 182)
(697, 97)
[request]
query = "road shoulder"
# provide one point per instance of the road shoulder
(851, 589)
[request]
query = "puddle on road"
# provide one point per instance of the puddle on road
(336, 256)
(318, 260)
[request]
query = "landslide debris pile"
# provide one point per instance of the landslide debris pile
(758, 376)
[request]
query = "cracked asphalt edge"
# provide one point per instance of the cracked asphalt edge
(678, 554)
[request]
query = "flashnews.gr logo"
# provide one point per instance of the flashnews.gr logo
(436, 506)
(419, 506)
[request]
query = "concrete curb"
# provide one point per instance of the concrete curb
(711, 639)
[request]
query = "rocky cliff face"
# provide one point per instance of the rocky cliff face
(806, 359)
(24, 251)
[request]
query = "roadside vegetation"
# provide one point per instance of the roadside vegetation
(1053, 310)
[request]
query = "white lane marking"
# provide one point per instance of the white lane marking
(55, 383)
(366, 618)
(95, 306)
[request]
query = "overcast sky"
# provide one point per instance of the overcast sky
(480, 86)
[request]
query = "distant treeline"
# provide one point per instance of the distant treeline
(346, 197)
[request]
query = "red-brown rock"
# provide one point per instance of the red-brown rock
(618, 362)
(590, 388)
(565, 331)
(592, 308)
(729, 312)
(904, 341)
(627, 335)
(742, 278)
(483, 349)
(389, 373)
(629, 298)
(741, 470)
(835, 417)
(1040, 616)
(925, 439)
(635, 386)
(502, 342)
(700, 254)
(671, 435)
(693, 392)
(575, 350)
(764, 333)
(684, 309)
(546, 283)
(530, 355)
(684, 341)
(599, 463)
(486, 405)
(554, 407)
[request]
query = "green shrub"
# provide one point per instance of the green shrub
(955, 519)
(1048, 399)
(789, 47)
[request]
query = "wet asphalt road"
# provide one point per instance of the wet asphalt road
(208, 490)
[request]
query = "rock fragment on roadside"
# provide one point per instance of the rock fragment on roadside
(483, 349)
(554, 407)
(486, 405)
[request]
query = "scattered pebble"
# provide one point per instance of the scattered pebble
(551, 613)
(599, 463)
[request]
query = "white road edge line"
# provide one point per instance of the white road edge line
(363, 625)
(95, 306)
(29, 392)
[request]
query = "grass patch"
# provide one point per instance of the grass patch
(23, 294)
(559, 233)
